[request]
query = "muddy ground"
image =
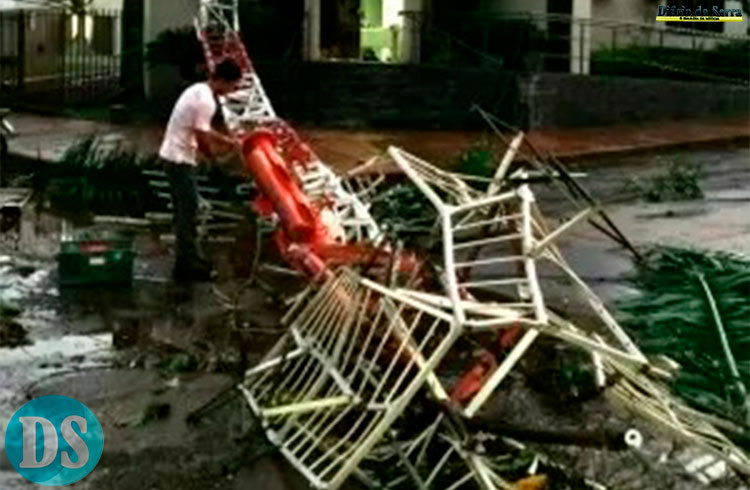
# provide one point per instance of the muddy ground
(144, 358)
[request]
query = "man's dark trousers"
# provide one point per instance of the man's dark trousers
(182, 182)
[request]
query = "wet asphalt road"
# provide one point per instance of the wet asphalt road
(74, 332)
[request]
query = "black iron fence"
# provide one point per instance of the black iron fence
(53, 57)
(529, 42)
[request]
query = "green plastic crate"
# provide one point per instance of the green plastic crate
(95, 258)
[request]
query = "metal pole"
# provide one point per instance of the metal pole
(115, 56)
(112, 65)
(77, 82)
(3, 29)
(695, 52)
(94, 53)
(82, 56)
(63, 52)
(581, 47)
(661, 52)
(2, 48)
(21, 50)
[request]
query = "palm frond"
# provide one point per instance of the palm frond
(694, 307)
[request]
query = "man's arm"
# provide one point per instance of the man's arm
(211, 142)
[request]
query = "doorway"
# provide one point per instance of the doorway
(339, 29)
(559, 36)
(364, 30)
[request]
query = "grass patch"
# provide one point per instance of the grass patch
(680, 182)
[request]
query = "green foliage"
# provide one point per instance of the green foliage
(178, 47)
(680, 182)
(477, 161)
(404, 211)
(94, 176)
(730, 61)
(672, 316)
(91, 177)
(180, 362)
(481, 160)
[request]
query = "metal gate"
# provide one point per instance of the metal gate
(52, 57)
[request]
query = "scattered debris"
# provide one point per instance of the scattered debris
(681, 182)
(20, 279)
(154, 412)
(536, 482)
(95, 175)
(405, 278)
(12, 203)
(94, 257)
(342, 392)
(9, 309)
(403, 211)
(180, 362)
(11, 333)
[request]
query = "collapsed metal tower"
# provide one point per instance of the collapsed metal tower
(364, 344)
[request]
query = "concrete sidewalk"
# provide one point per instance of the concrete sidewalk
(47, 138)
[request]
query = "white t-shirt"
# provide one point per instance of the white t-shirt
(194, 110)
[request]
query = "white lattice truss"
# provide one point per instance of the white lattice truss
(249, 107)
(356, 353)
(355, 356)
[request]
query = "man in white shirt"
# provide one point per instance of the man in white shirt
(189, 133)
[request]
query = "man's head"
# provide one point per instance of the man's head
(226, 77)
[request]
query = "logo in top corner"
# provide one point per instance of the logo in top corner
(699, 14)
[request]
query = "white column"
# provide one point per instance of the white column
(580, 38)
(312, 30)
(735, 28)
(117, 36)
(148, 20)
(411, 34)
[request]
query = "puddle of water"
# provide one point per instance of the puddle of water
(91, 349)
(27, 283)
(22, 367)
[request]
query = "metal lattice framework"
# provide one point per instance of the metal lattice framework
(249, 108)
(354, 356)
(512, 236)
(357, 352)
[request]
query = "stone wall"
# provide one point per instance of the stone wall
(423, 97)
(344, 94)
(359, 94)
